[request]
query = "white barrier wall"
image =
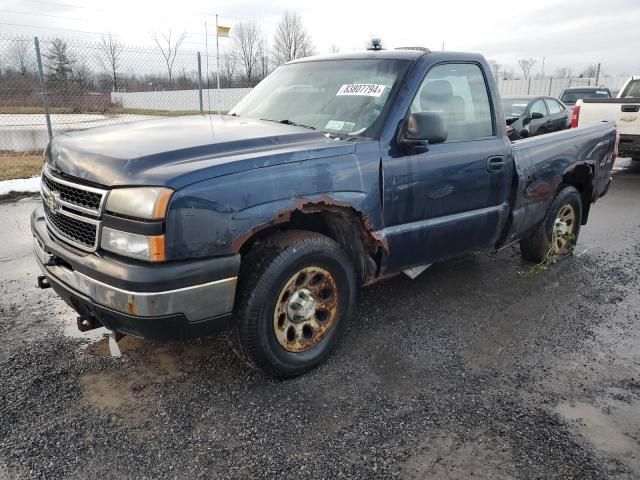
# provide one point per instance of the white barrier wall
(177, 100)
(187, 100)
(554, 86)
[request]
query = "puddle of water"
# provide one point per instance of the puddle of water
(68, 319)
(610, 432)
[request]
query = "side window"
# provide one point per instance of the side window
(553, 106)
(457, 92)
(632, 90)
(538, 107)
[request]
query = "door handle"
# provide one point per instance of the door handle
(630, 108)
(496, 164)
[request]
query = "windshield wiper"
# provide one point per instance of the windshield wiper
(289, 122)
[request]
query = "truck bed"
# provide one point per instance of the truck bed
(542, 161)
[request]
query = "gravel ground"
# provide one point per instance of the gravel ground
(477, 368)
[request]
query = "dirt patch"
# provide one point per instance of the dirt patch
(613, 428)
(129, 388)
(12, 197)
(20, 165)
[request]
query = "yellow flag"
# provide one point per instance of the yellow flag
(223, 31)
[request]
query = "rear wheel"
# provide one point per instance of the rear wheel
(296, 296)
(558, 233)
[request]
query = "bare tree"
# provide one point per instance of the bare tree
(495, 68)
(526, 64)
(228, 67)
(111, 50)
(82, 75)
(263, 54)
(247, 40)
(20, 53)
(169, 48)
(564, 72)
(334, 48)
(590, 71)
(291, 39)
(508, 74)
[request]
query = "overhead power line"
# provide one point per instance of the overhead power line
(44, 15)
(88, 7)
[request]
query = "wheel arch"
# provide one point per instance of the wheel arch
(581, 177)
(349, 227)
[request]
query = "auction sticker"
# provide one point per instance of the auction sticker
(339, 125)
(361, 89)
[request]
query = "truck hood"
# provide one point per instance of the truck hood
(178, 151)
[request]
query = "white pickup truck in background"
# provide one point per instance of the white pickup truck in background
(624, 110)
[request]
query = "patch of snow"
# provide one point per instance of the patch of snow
(20, 185)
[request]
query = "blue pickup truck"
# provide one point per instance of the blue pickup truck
(333, 173)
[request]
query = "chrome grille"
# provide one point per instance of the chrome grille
(72, 210)
(82, 197)
(70, 228)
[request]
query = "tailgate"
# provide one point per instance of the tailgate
(625, 112)
(628, 122)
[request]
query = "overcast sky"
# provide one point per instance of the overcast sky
(568, 33)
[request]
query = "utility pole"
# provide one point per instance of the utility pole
(200, 82)
(43, 88)
(218, 64)
(543, 59)
(597, 74)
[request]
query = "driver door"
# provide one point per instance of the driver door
(448, 198)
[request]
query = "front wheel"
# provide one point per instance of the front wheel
(558, 233)
(297, 291)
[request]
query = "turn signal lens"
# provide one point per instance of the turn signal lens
(142, 247)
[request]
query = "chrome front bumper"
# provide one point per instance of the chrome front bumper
(196, 302)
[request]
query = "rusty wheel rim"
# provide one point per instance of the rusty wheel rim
(564, 228)
(306, 309)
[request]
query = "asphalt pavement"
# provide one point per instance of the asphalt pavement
(479, 368)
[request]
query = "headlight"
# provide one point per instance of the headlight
(142, 247)
(149, 203)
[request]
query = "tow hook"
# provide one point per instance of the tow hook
(86, 323)
(43, 282)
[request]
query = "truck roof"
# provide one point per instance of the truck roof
(398, 54)
(586, 87)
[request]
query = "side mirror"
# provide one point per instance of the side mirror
(536, 116)
(424, 128)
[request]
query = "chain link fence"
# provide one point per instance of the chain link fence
(89, 84)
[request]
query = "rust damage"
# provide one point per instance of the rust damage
(373, 241)
(132, 306)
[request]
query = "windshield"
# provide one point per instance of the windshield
(632, 90)
(341, 97)
(514, 107)
(573, 96)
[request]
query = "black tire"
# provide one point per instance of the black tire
(266, 271)
(537, 245)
